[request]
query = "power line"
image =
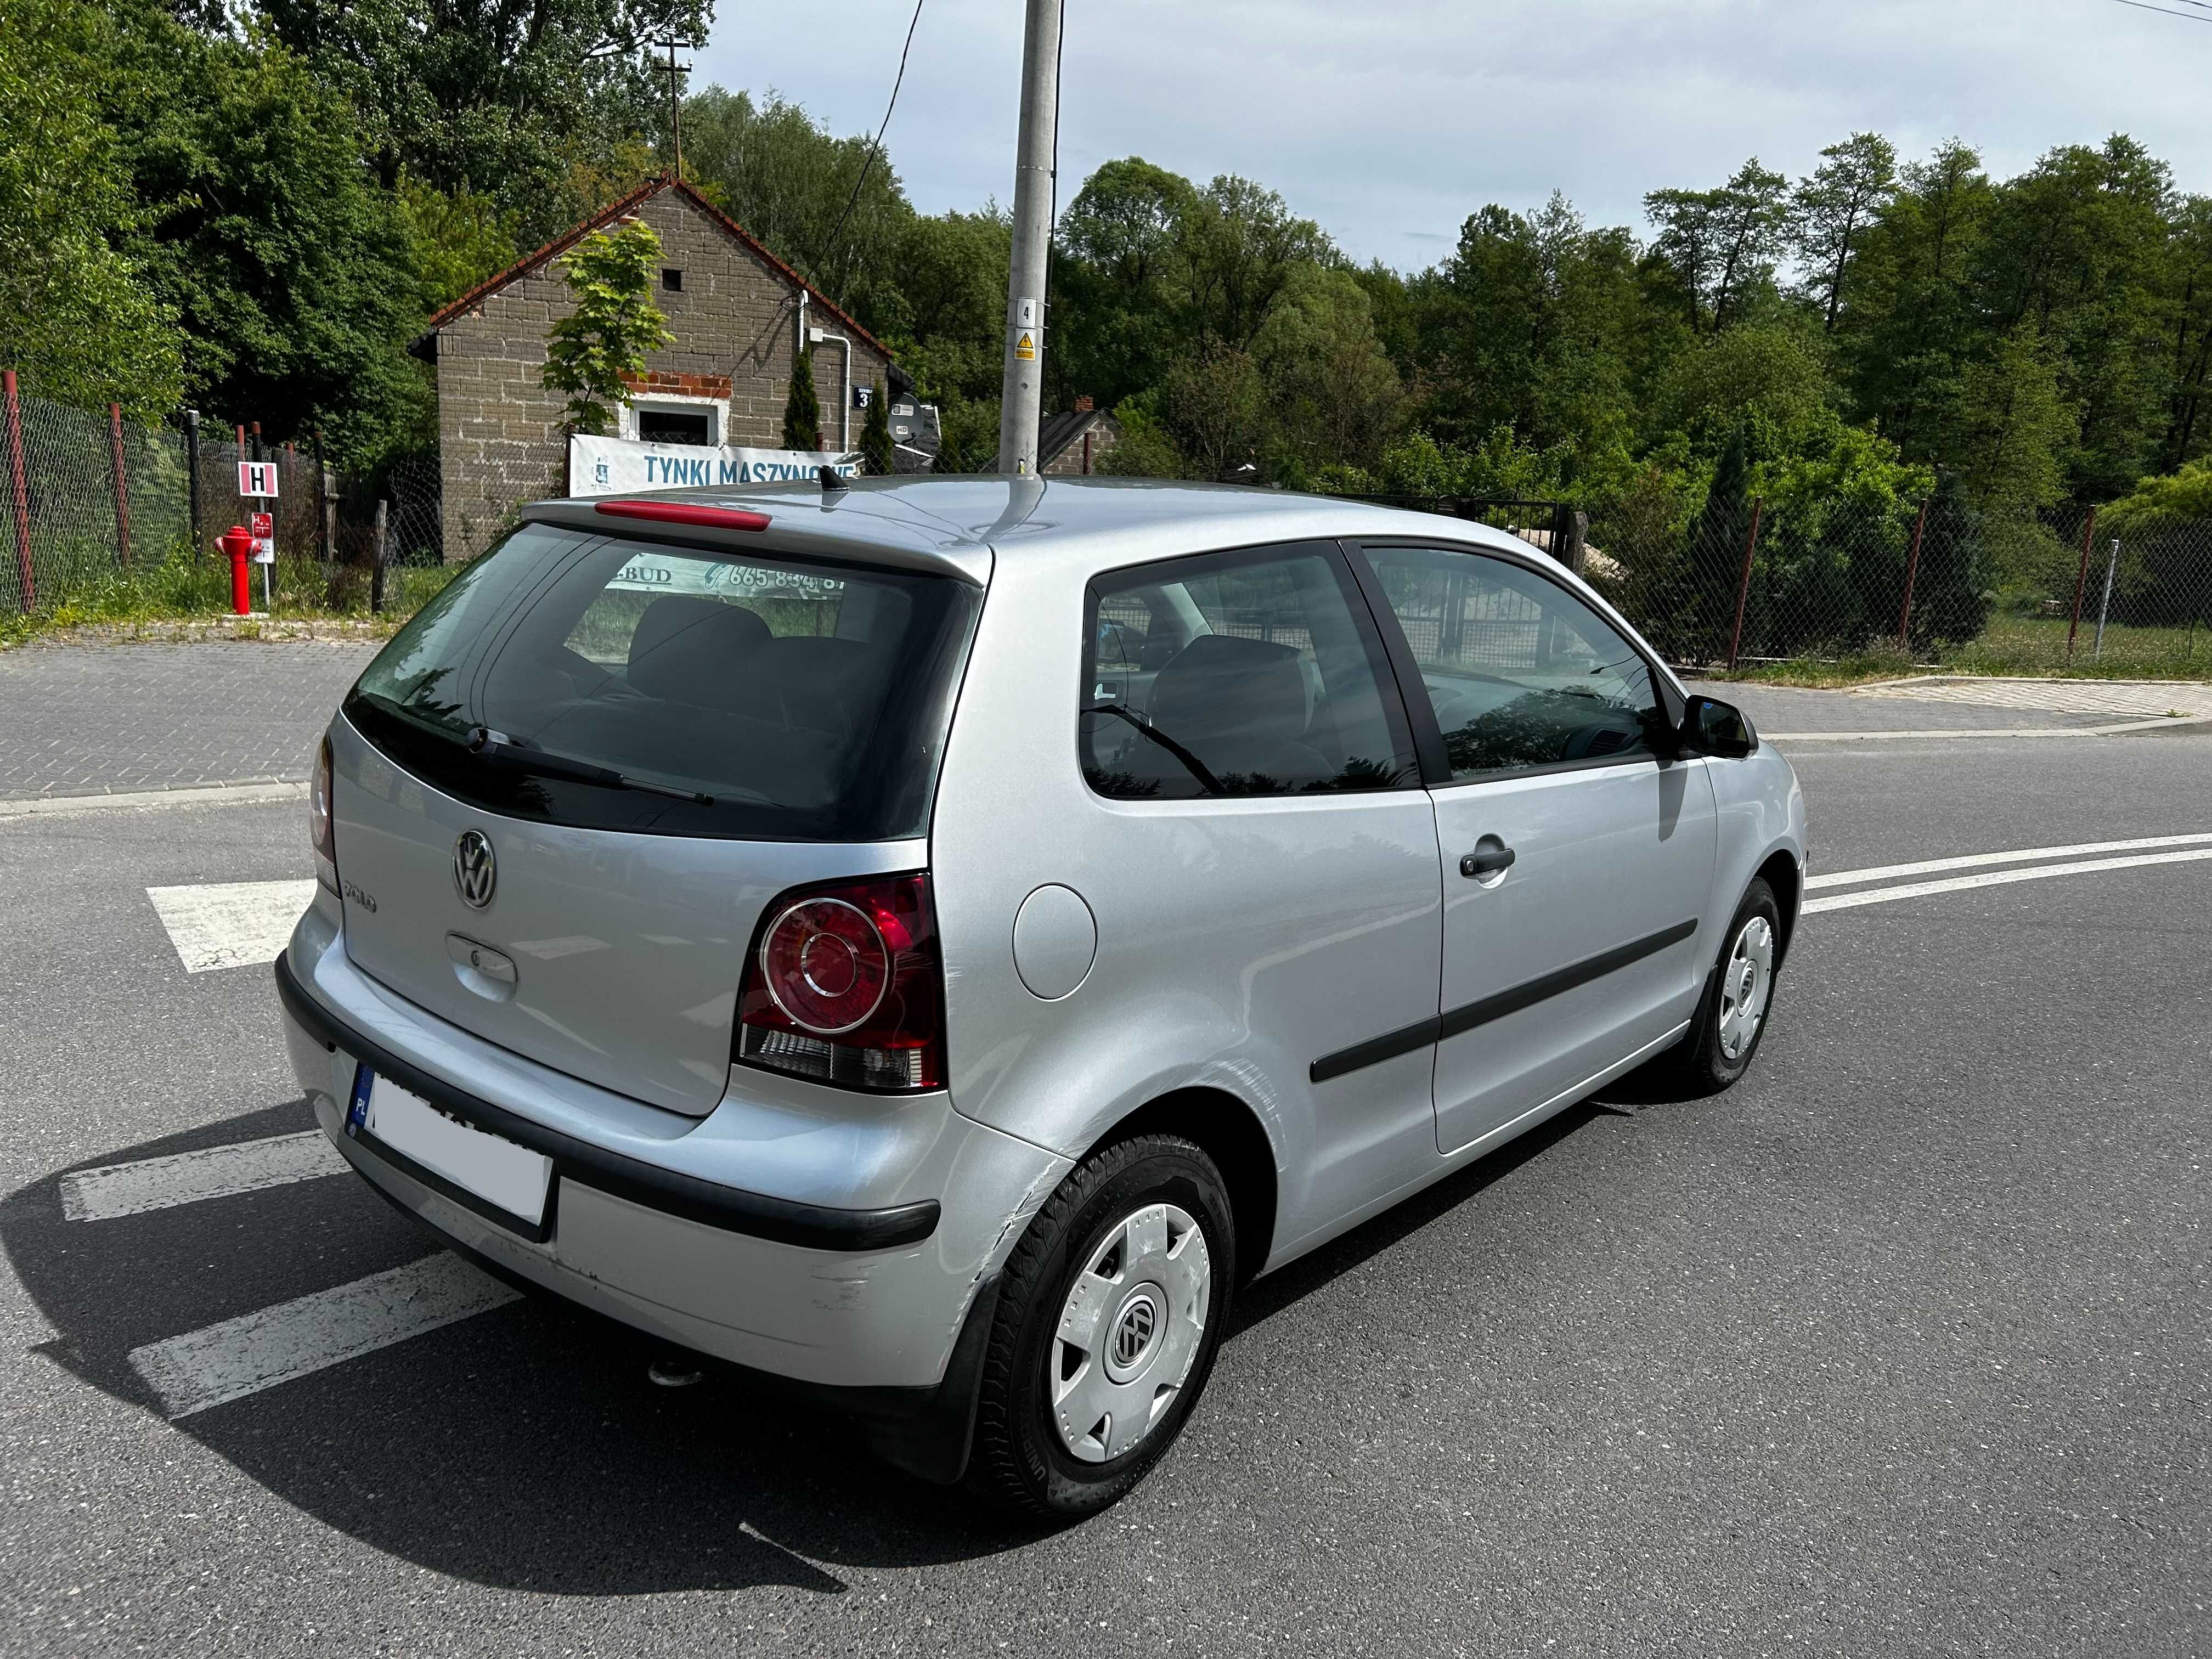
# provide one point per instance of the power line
(869, 160)
(2191, 16)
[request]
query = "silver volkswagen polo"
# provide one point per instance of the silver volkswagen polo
(928, 943)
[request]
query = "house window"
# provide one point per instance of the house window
(671, 279)
(676, 425)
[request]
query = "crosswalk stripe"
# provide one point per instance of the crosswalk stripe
(257, 1351)
(159, 1183)
(1995, 878)
(233, 924)
(2016, 855)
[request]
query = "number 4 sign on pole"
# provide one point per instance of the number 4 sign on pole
(257, 478)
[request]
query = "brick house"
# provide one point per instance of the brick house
(1072, 444)
(736, 310)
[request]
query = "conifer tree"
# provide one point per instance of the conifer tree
(802, 410)
(876, 456)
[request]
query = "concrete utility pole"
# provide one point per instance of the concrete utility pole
(1021, 388)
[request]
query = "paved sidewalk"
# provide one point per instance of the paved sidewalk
(100, 719)
(2114, 699)
(1794, 709)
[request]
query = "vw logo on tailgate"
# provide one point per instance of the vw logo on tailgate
(475, 872)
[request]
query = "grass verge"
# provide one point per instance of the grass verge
(181, 589)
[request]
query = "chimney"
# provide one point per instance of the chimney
(1083, 405)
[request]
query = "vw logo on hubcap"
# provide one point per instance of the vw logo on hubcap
(1133, 1332)
(475, 872)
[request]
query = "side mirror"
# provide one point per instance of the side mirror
(1711, 726)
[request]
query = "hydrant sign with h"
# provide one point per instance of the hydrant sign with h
(264, 527)
(257, 478)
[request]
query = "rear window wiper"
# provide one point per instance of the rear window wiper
(498, 746)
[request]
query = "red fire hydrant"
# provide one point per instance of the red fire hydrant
(239, 544)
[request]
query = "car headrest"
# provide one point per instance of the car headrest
(1222, 688)
(689, 649)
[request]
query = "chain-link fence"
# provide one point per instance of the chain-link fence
(1932, 583)
(86, 497)
(92, 501)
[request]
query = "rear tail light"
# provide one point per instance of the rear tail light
(320, 831)
(845, 986)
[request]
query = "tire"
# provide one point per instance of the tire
(1064, 1427)
(1718, 1050)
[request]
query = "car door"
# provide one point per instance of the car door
(1259, 852)
(1577, 852)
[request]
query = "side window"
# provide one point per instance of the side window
(1521, 673)
(1237, 674)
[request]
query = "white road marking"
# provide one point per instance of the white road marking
(216, 794)
(230, 924)
(159, 1183)
(2017, 855)
(257, 1351)
(1996, 879)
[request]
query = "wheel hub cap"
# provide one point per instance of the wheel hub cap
(1747, 983)
(1129, 1331)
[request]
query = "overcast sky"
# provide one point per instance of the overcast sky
(1390, 120)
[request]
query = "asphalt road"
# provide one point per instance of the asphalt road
(1900, 1348)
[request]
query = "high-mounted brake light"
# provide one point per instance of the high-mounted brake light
(845, 986)
(712, 518)
(321, 831)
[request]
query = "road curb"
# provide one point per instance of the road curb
(205, 794)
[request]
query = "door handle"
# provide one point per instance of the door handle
(1487, 861)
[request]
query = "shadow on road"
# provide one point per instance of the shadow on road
(526, 1448)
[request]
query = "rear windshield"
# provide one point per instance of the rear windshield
(616, 684)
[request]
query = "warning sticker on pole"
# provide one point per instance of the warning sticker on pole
(1025, 345)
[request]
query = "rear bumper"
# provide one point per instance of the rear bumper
(865, 1304)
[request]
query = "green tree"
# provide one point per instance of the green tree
(593, 351)
(1240, 245)
(1121, 279)
(460, 239)
(2181, 496)
(1216, 409)
(802, 408)
(787, 180)
(1949, 591)
(1720, 244)
(2187, 429)
(877, 457)
(77, 317)
(1775, 370)
(491, 94)
(289, 270)
(1334, 393)
(1829, 211)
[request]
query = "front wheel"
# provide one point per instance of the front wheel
(1109, 1316)
(1739, 995)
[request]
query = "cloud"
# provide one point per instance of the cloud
(1390, 121)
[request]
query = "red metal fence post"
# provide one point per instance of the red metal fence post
(1911, 571)
(28, 592)
(2081, 580)
(122, 486)
(1743, 586)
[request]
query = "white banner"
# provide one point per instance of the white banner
(614, 466)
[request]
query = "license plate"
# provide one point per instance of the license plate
(512, 1178)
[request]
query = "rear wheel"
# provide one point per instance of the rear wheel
(1109, 1316)
(1739, 996)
